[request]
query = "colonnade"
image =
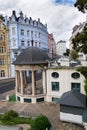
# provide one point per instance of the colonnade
(21, 81)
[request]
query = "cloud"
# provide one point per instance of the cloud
(59, 18)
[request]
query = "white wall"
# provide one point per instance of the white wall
(71, 118)
(64, 80)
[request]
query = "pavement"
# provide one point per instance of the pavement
(51, 110)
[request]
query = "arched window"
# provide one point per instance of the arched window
(55, 75)
(75, 75)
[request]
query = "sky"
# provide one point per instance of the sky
(60, 15)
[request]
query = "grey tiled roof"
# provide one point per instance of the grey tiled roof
(73, 98)
(32, 55)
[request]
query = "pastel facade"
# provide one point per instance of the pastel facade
(51, 46)
(72, 107)
(78, 29)
(66, 81)
(52, 82)
(22, 31)
(61, 48)
(4, 51)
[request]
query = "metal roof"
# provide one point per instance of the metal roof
(32, 55)
(73, 98)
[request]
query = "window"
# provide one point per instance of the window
(15, 55)
(22, 42)
(1, 37)
(28, 43)
(54, 99)
(35, 34)
(55, 75)
(31, 33)
(13, 30)
(1, 49)
(14, 42)
(39, 44)
(1, 61)
(55, 86)
(75, 75)
(22, 32)
(39, 35)
(27, 100)
(27, 32)
(35, 44)
(40, 99)
(75, 87)
(2, 73)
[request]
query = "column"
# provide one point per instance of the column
(16, 80)
(44, 81)
(21, 78)
(25, 80)
(33, 83)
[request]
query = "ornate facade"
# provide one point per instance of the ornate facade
(22, 30)
(4, 51)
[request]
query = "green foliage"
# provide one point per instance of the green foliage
(83, 71)
(12, 98)
(11, 118)
(40, 123)
(79, 42)
(74, 55)
(1, 17)
(81, 5)
(67, 52)
(9, 115)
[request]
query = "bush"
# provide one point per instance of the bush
(40, 123)
(10, 115)
(12, 98)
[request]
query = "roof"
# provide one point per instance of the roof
(32, 55)
(73, 98)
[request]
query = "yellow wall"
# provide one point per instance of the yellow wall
(4, 51)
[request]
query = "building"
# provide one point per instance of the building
(72, 107)
(78, 29)
(37, 81)
(4, 51)
(61, 80)
(51, 46)
(61, 48)
(31, 88)
(22, 31)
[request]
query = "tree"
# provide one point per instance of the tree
(41, 123)
(74, 54)
(9, 115)
(83, 71)
(67, 52)
(79, 42)
(1, 17)
(81, 5)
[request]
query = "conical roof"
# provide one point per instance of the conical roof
(32, 55)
